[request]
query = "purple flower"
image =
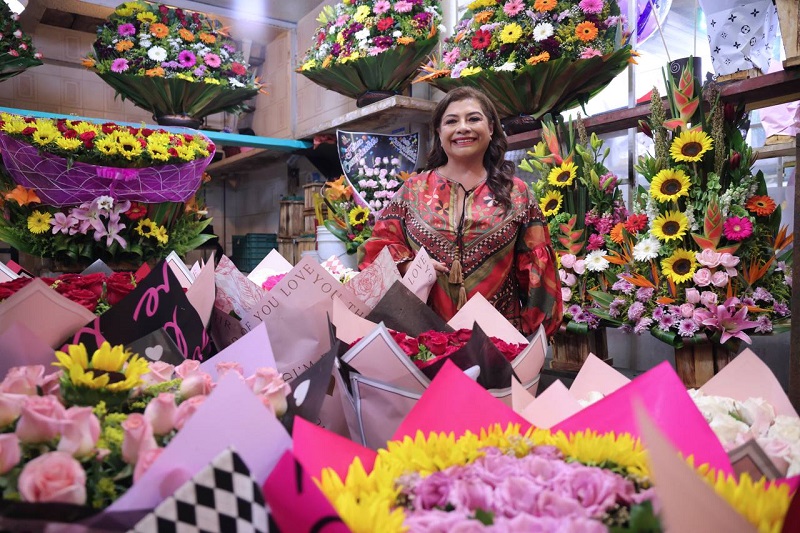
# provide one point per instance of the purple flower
(614, 308)
(643, 324)
(574, 310)
(635, 311)
(624, 286)
(762, 294)
(452, 56)
(88, 216)
(126, 29)
(687, 327)
(666, 322)
(591, 6)
(658, 312)
(764, 324)
(187, 58)
(119, 65)
(726, 319)
(644, 294)
(114, 227)
(781, 308)
(422, 20)
(199, 71)
(596, 242)
(604, 224)
(64, 224)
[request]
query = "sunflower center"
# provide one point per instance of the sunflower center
(113, 377)
(682, 267)
(691, 149)
(551, 204)
(671, 227)
(670, 187)
(563, 177)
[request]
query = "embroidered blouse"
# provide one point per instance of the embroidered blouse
(505, 256)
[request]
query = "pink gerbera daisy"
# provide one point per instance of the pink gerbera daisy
(381, 7)
(513, 7)
(403, 6)
(119, 65)
(212, 60)
(187, 59)
(737, 228)
(126, 29)
(591, 6)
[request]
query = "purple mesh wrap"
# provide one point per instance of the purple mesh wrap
(58, 185)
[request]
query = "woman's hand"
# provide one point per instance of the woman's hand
(440, 267)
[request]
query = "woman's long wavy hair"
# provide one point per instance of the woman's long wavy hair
(499, 172)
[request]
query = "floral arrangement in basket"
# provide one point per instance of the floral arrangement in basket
(171, 61)
(364, 46)
(87, 433)
(17, 53)
(533, 57)
(96, 292)
(583, 205)
(706, 258)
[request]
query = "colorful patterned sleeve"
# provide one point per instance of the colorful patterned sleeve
(389, 232)
(535, 263)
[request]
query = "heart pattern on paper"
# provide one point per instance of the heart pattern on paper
(300, 392)
(154, 353)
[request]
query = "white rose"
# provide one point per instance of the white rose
(758, 414)
(786, 428)
(728, 430)
(713, 406)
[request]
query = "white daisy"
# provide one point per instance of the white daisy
(646, 249)
(542, 31)
(362, 35)
(508, 66)
(235, 83)
(596, 261)
(157, 53)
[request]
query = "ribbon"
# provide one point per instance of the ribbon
(117, 175)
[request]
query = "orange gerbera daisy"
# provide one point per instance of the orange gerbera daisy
(544, 5)
(157, 72)
(123, 45)
(616, 233)
(207, 38)
(539, 58)
(186, 35)
(159, 30)
(87, 62)
(483, 16)
(586, 31)
(762, 206)
(405, 40)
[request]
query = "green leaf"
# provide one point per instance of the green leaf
(669, 337)
(578, 327)
(643, 519)
(484, 517)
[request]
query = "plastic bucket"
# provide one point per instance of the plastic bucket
(328, 245)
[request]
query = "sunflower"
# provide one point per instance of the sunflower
(160, 234)
(551, 203)
(669, 185)
(762, 206)
(690, 146)
(670, 226)
(680, 266)
(128, 145)
(68, 144)
(511, 33)
(145, 227)
(44, 134)
(39, 221)
(562, 175)
(586, 31)
(106, 145)
(358, 216)
(146, 18)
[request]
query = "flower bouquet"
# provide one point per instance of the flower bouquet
(705, 260)
(533, 57)
(338, 211)
(96, 292)
(180, 65)
(371, 49)
(16, 50)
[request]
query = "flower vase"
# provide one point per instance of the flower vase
(328, 245)
(697, 363)
(570, 349)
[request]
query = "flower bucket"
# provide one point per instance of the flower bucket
(329, 245)
(59, 182)
(696, 363)
(570, 349)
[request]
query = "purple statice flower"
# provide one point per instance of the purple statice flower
(643, 324)
(604, 224)
(199, 71)
(762, 294)
(635, 311)
(169, 64)
(780, 308)
(126, 29)
(187, 59)
(615, 307)
(666, 322)
(644, 294)
(687, 327)
(119, 65)
(748, 301)
(658, 313)
(574, 310)
(596, 242)
(764, 324)
(623, 285)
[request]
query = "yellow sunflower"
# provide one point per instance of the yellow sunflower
(511, 33)
(114, 369)
(128, 145)
(68, 144)
(690, 146)
(39, 222)
(45, 134)
(160, 234)
(146, 18)
(670, 226)
(106, 145)
(551, 203)
(359, 216)
(680, 266)
(562, 175)
(669, 185)
(145, 227)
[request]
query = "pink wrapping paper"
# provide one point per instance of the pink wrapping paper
(595, 375)
(317, 448)
(234, 291)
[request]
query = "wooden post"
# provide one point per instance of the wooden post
(789, 18)
(794, 345)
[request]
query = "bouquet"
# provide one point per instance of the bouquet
(431, 347)
(17, 53)
(96, 292)
(704, 257)
(87, 433)
(584, 209)
(338, 211)
(533, 57)
(171, 61)
(363, 46)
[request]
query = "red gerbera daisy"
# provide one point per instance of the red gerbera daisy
(481, 39)
(136, 211)
(636, 223)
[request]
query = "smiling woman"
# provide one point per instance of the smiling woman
(481, 225)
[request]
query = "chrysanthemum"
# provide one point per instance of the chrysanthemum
(551, 203)
(670, 226)
(680, 266)
(646, 250)
(562, 175)
(39, 222)
(737, 228)
(586, 31)
(669, 185)
(687, 327)
(762, 206)
(359, 216)
(690, 146)
(511, 33)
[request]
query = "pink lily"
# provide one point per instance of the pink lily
(726, 319)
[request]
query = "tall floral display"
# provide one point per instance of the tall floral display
(180, 65)
(371, 49)
(17, 53)
(585, 211)
(533, 57)
(711, 259)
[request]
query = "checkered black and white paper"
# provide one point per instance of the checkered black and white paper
(222, 497)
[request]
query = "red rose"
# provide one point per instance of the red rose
(84, 297)
(118, 286)
(385, 23)
(70, 134)
(434, 341)
(8, 288)
(238, 69)
(509, 350)
(89, 282)
(88, 138)
(462, 336)
(29, 130)
(108, 127)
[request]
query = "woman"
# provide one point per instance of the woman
(479, 223)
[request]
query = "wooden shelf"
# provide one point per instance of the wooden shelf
(244, 162)
(777, 150)
(392, 110)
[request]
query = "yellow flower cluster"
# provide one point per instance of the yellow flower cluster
(110, 368)
(148, 228)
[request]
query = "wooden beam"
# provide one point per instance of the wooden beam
(794, 344)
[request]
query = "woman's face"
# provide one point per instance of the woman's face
(465, 130)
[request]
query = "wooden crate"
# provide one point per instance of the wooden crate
(291, 221)
(303, 244)
(310, 218)
(789, 19)
(286, 248)
(309, 190)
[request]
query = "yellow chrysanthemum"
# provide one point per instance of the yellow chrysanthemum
(308, 65)
(68, 144)
(211, 81)
(551, 203)
(477, 4)
(670, 226)
(111, 368)
(511, 33)
(183, 76)
(186, 153)
(680, 266)
(145, 227)
(128, 146)
(39, 222)
(562, 175)
(690, 146)
(469, 71)
(359, 216)
(362, 12)
(669, 185)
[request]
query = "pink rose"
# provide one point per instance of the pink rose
(719, 279)
(51, 384)
(9, 452)
(229, 366)
(53, 477)
(159, 373)
(566, 294)
(268, 384)
(187, 409)
(138, 437)
(80, 430)
(10, 407)
(568, 260)
(40, 420)
(161, 413)
(728, 261)
(693, 296)
(187, 368)
(23, 380)
(702, 277)
(579, 267)
(687, 310)
(145, 461)
(708, 298)
(196, 384)
(708, 257)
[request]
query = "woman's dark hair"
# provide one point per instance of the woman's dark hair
(499, 172)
